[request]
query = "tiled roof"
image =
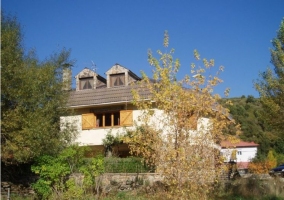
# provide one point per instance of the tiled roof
(227, 144)
(102, 96)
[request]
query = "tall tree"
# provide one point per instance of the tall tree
(271, 90)
(32, 99)
(180, 125)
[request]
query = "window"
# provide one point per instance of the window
(107, 119)
(86, 83)
(116, 119)
(117, 80)
(239, 153)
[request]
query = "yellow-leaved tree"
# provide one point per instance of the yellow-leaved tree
(263, 166)
(181, 125)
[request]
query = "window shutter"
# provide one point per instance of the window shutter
(126, 118)
(88, 121)
(193, 121)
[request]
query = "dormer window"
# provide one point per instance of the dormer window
(117, 79)
(86, 83)
(89, 80)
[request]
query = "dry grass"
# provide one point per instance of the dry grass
(256, 188)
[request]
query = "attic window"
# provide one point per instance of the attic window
(86, 83)
(117, 80)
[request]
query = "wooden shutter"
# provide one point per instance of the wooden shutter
(126, 118)
(88, 121)
(193, 121)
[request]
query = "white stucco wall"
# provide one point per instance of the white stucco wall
(246, 154)
(96, 135)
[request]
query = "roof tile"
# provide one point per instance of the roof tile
(228, 144)
(101, 96)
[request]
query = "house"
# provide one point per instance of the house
(102, 105)
(242, 153)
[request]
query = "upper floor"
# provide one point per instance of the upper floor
(116, 76)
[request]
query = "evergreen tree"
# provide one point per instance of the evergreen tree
(271, 90)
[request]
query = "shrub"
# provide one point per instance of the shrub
(125, 165)
(263, 166)
(254, 188)
(55, 171)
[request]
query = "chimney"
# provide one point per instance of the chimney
(67, 79)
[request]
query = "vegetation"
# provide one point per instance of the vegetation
(125, 165)
(55, 174)
(187, 123)
(263, 166)
(32, 99)
(247, 112)
(109, 142)
(271, 89)
(261, 118)
(181, 147)
(253, 188)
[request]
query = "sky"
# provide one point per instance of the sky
(101, 33)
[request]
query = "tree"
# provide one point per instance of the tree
(250, 99)
(271, 86)
(32, 99)
(180, 125)
(263, 166)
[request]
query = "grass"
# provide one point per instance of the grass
(125, 196)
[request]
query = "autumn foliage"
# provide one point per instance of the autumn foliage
(180, 125)
(264, 166)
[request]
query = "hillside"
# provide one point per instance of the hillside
(247, 112)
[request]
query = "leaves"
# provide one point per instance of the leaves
(32, 99)
(271, 86)
(263, 166)
(55, 170)
(181, 125)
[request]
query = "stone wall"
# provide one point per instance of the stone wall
(109, 182)
(150, 182)
(16, 179)
(8, 188)
(123, 181)
(129, 181)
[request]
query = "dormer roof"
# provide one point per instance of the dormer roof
(86, 73)
(119, 69)
(88, 79)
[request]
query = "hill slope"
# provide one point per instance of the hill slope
(247, 112)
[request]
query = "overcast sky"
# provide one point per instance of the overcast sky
(237, 34)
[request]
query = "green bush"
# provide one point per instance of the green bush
(125, 165)
(54, 174)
